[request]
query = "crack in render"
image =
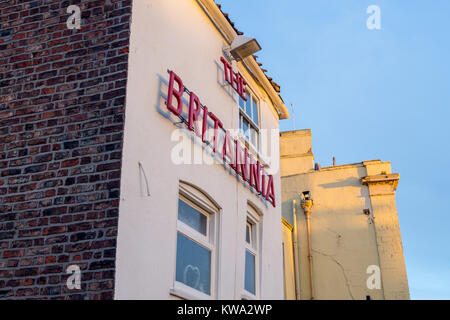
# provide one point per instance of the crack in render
(343, 271)
(339, 236)
(335, 232)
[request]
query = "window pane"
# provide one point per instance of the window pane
(192, 217)
(193, 264)
(247, 234)
(255, 112)
(245, 128)
(250, 272)
(241, 103)
(254, 133)
(248, 109)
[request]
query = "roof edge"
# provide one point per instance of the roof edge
(229, 33)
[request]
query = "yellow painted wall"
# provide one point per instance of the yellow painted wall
(295, 152)
(288, 261)
(345, 241)
(390, 250)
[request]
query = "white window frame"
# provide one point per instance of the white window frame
(202, 204)
(243, 115)
(254, 247)
(196, 236)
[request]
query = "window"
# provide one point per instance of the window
(248, 233)
(193, 266)
(192, 217)
(250, 259)
(249, 119)
(252, 255)
(195, 253)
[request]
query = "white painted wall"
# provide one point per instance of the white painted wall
(178, 35)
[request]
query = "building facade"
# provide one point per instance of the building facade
(346, 240)
(140, 159)
(136, 154)
(171, 177)
(62, 107)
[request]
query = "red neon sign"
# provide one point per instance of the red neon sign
(234, 79)
(242, 161)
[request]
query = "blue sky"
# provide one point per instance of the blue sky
(371, 94)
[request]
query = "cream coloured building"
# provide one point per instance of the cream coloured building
(343, 225)
(191, 227)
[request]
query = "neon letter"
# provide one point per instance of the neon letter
(177, 94)
(270, 194)
(193, 114)
(255, 176)
(217, 125)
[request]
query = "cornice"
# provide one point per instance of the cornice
(382, 179)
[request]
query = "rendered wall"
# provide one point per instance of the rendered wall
(389, 242)
(295, 151)
(288, 262)
(345, 241)
(178, 35)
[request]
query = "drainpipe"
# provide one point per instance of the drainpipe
(307, 205)
(296, 261)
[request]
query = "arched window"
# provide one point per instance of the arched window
(197, 230)
(253, 236)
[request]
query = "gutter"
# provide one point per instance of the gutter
(295, 245)
(307, 206)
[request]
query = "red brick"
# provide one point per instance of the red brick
(56, 95)
(70, 163)
(13, 254)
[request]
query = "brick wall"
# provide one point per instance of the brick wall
(62, 98)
